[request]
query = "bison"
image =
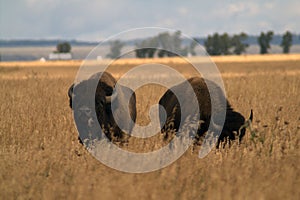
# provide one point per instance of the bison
(234, 125)
(106, 92)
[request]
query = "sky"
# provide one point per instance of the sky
(93, 20)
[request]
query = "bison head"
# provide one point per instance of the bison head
(108, 96)
(235, 126)
(87, 111)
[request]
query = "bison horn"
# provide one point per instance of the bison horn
(111, 98)
(247, 122)
(108, 99)
(70, 92)
(216, 126)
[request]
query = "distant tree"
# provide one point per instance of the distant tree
(162, 53)
(208, 44)
(212, 44)
(115, 49)
(264, 41)
(163, 45)
(286, 42)
(63, 47)
(146, 48)
(184, 51)
(176, 44)
(225, 43)
(165, 42)
(191, 48)
(218, 44)
(151, 47)
(141, 51)
(238, 46)
(151, 52)
(171, 45)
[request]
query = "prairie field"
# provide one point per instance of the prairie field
(41, 158)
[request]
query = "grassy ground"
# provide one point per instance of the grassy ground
(40, 156)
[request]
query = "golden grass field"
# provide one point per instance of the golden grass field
(41, 158)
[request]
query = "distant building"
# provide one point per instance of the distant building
(60, 56)
(42, 59)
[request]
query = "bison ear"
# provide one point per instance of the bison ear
(70, 94)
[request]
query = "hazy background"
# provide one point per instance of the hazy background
(94, 20)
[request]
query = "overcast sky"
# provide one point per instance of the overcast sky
(99, 19)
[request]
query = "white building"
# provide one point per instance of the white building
(60, 56)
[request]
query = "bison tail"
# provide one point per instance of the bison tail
(247, 124)
(251, 115)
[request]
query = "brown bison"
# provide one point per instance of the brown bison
(92, 100)
(234, 124)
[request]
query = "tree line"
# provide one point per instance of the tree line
(162, 45)
(170, 45)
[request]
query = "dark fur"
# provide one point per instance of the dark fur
(105, 87)
(169, 101)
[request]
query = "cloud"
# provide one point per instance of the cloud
(238, 9)
(182, 11)
(269, 5)
(96, 19)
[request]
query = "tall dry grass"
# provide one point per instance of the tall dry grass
(40, 156)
